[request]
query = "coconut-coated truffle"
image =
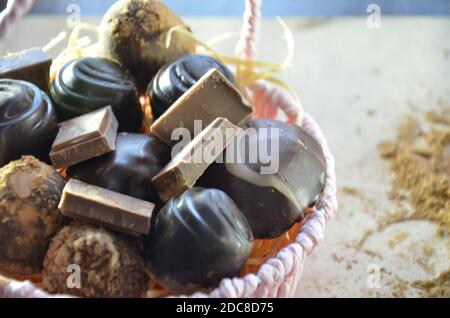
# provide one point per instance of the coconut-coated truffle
(30, 191)
(108, 263)
(133, 32)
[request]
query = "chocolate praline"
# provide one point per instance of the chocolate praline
(30, 191)
(28, 122)
(134, 33)
(129, 169)
(273, 190)
(175, 78)
(88, 84)
(107, 263)
(197, 239)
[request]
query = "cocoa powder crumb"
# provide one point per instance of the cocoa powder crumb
(420, 160)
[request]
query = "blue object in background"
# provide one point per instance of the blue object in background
(270, 8)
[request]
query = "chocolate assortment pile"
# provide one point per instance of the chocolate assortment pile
(83, 182)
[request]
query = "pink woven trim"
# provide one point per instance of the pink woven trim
(247, 46)
(24, 290)
(13, 11)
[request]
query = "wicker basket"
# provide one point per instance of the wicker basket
(279, 275)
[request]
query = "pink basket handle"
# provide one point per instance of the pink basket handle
(14, 10)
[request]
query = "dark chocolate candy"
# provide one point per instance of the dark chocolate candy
(129, 169)
(175, 78)
(197, 239)
(87, 84)
(28, 122)
(275, 198)
(31, 65)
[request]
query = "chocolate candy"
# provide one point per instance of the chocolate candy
(87, 84)
(129, 169)
(31, 65)
(197, 239)
(85, 137)
(134, 33)
(210, 97)
(29, 194)
(105, 207)
(175, 78)
(108, 264)
(28, 122)
(190, 163)
(280, 171)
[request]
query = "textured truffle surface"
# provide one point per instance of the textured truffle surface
(108, 265)
(133, 32)
(29, 195)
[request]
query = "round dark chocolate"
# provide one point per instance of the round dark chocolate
(197, 239)
(28, 122)
(285, 176)
(88, 84)
(129, 169)
(175, 78)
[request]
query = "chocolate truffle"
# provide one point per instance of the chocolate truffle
(29, 195)
(28, 122)
(87, 84)
(129, 169)
(107, 264)
(133, 32)
(175, 78)
(197, 239)
(280, 171)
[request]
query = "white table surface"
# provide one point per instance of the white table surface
(358, 83)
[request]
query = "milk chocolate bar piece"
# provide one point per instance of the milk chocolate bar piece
(104, 207)
(191, 162)
(31, 65)
(211, 97)
(85, 137)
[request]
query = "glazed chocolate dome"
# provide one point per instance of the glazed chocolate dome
(273, 194)
(197, 239)
(175, 78)
(28, 122)
(88, 84)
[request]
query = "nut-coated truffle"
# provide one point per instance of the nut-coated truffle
(133, 32)
(106, 263)
(29, 195)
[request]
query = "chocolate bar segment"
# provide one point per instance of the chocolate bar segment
(191, 162)
(31, 65)
(211, 97)
(104, 207)
(85, 137)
